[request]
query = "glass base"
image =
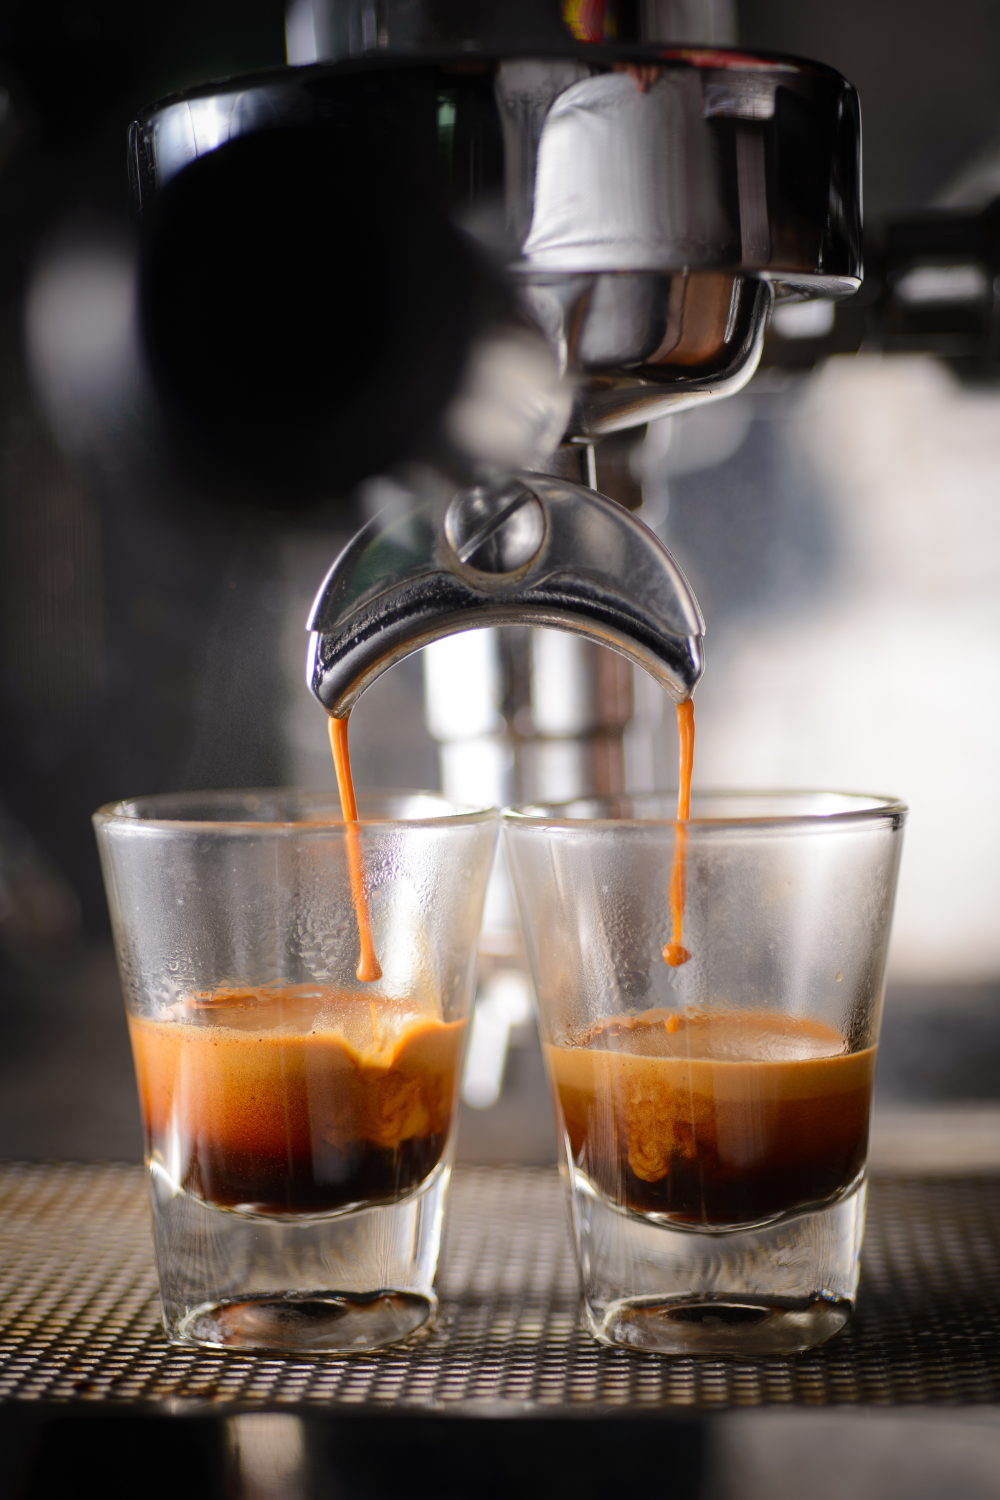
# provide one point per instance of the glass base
(772, 1288)
(336, 1283)
(324, 1323)
(723, 1326)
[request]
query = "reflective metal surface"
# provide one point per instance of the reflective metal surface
(645, 199)
(601, 159)
(649, 345)
(597, 572)
(637, 203)
(932, 286)
(79, 1321)
(301, 341)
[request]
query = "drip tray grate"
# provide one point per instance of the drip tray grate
(79, 1318)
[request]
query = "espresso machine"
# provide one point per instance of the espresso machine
(475, 244)
(448, 259)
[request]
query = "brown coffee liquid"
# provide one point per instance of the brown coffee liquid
(724, 1118)
(369, 967)
(296, 1100)
(674, 952)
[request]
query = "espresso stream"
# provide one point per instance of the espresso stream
(674, 952)
(713, 1117)
(285, 1099)
(369, 967)
(304, 1099)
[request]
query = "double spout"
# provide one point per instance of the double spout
(530, 549)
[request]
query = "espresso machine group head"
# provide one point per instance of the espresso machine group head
(475, 243)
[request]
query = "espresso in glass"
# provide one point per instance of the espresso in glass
(709, 990)
(714, 1118)
(297, 1100)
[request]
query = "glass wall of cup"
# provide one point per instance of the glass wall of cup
(712, 1116)
(299, 1121)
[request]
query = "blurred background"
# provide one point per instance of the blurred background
(839, 521)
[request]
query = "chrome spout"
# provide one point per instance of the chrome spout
(528, 550)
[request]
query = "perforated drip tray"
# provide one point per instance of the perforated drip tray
(79, 1318)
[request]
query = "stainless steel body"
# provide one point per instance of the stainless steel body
(531, 550)
(636, 209)
(596, 160)
(645, 203)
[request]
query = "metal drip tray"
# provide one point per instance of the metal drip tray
(79, 1317)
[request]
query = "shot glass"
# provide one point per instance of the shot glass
(713, 1116)
(299, 1123)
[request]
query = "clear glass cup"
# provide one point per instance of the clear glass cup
(713, 1117)
(299, 1124)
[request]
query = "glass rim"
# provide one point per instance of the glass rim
(153, 812)
(877, 807)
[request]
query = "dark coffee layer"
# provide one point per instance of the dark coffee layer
(316, 1181)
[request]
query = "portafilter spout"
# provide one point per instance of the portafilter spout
(529, 549)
